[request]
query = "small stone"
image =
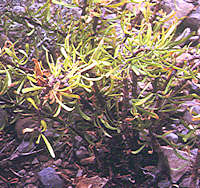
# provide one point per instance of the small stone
(19, 10)
(43, 158)
(35, 161)
(30, 186)
(186, 182)
(49, 178)
(177, 165)
(79, 173)
(58, 162)
(80, 154)
(184, 132)
(30, 173)
(31, 180)
(188, 116)
(172, 137)
(26, 166)
(194, 151)
(65, 164)
(164, 184)
(22, 172)
(173, 126)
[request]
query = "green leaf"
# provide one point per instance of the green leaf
(49, 147)
(70, 95)
(29, 89)
(189, 135)
(43, 125)
(62, 49)
(9, 78)
(83, 115)
(57, 111)
(139, 150)
(148, 35)
(92, 79)
(96, 52)
(43, 7)
(38, 139)
(141, 101)
(31, 78)
(168, 86)
(3, 119)
(98, 124)
(179, 155)
(23, 52)
(4, 88)
(108, 126)
(31, 32)
(117, 51)
(9, 52)
(89, 67)
(32, 102)
(63, 105)
(152, 114)
(20, 86)
(117, 4)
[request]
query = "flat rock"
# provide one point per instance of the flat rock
(180, 7)
(177, 165)
(50, 179)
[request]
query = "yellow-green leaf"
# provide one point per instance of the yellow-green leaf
(32, 102)
(142, 101)
(107, 125)
(138, 150)
(43, 125)
(83, 115)
(70, 95)
(29, 89)
(63, 105)
(57, 111)
(49, 147)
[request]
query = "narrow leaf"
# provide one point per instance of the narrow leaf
(63, 105)
(83, 115)
(32, 102)
(138, 150)
(49, 147)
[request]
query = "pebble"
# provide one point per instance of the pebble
(58, 162)
(35, 161)
(31, 186)
(43, 158)
(22, 172)
(79, 173)
(80, 154)
(172, 137)
(49, 178)
(19, 10)
(194, 151)
(188, 116)
(31, 180)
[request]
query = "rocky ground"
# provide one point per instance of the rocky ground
(108, 164)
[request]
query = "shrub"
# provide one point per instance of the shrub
(109, 72)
